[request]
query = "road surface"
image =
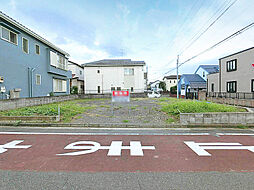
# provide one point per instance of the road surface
(48, 158)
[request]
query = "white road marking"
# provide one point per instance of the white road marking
(13, 144)
(200, 148)
(236, 134)
(99, 133)
(115, 149)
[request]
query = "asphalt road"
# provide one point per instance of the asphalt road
(23, 168)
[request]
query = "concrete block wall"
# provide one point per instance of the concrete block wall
(232, 101)
(217, 118)
(25, 102)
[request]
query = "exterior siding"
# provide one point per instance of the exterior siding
(15, 64)
(213, 79)
(244, 73)
(200, 73)
(113, 77)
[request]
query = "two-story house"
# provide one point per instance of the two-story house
(204, 70)
(77, 76)
(30, 66)
(171, 81)
(236, 73)
(114, 74)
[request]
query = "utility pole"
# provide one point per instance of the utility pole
(177, 62)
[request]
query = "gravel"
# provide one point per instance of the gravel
(137, 111)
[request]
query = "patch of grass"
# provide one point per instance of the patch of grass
(170, 120)
(174, 107)
(146, 121)
(125, 121)
(104, 106)
(68, 110)
(145, 108)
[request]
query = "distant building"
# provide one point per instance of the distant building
(155, 85)
(236, 74)
(190, 84)
(30, 66)
(204, 70)
(114, 74)
(77, 76)
(171, 81)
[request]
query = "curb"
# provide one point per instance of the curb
(114, 125)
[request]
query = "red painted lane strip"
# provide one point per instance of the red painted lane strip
(170, 155)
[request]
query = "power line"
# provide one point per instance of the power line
(209, 26)
(224, 40)
(212, 47)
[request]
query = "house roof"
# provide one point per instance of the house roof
(209, 68)
(172, 77)
(237, 53)
(194, 80)
(30, 32)
(71, 62)
(114, 62)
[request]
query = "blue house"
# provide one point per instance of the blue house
(30, 66)
(190, 84)
(204, 70)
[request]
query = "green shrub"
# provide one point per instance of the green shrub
(74, 90)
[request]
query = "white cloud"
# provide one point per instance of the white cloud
(81, 53)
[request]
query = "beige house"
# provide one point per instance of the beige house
(107, 75)
(77, 76)
(171, 81)
(236, 73)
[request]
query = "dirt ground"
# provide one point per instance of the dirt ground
(137, 111)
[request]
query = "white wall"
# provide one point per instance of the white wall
(200, 72)
(170, 83)
(76, 70)
(113, 77)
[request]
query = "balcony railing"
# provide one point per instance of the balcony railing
(237, 95)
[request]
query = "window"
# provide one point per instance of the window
(37, 49)
(252, 85)
(131, 89)
(212, 87)
(25, 45)
(58, 61)
(128, 71)
(9, 36)
(118, 88)
(231, 65)
(38, 79)
(203, 73)
(174, 81)
(98, 71)
(59, 85)
(113, 88)
(99, 89)
(231, 87)
(80, 72)
(170, 81)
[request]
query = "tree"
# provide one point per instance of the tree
(173, 90)
(162, 85)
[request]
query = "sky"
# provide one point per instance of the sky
(154, 31)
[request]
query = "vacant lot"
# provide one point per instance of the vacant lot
(138, 111)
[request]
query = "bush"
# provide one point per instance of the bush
(173, 90)
(74, 90)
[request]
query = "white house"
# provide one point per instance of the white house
(171, 81)
(114, 74)
(77, 76)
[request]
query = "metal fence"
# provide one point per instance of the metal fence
(237, 95)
